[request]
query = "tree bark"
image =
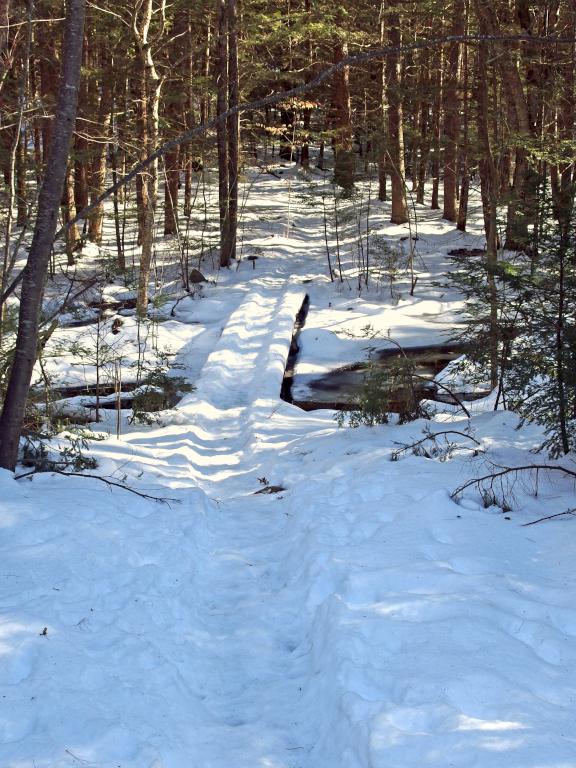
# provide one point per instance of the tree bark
(395, 125)
(150, 87)
(436, 126)
(489, 191)
(307, 111)
(205, 98)
(465, 146)
(4, 26)
(382, 139)
(68, 214)
(81, 153)
(47, 95)
(342, 122)
(452, 115)
(423, 128)
(563, 181)
(98, 170)
(21, 192)
(233, 129)
(171, 184)
(222, 134)
(38, 258)
(517, 235)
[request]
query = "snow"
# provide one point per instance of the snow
(357, 618)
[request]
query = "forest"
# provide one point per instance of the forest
(287, 375)
(428, 97)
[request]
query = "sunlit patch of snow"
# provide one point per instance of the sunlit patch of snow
(476, 724)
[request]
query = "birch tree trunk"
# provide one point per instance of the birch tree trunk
(34, 276)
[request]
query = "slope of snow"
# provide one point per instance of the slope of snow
(356, 617)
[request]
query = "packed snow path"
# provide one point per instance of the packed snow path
(251, 626)
(251, 666)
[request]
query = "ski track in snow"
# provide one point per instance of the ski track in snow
(357, 619)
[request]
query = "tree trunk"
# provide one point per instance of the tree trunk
(465, 148)
(81, 196)
(150, 86)
(21, 193)
(121, 258)
(307, 111)
(233, 130)
(38, 258)
(205, 98)
(68, 213)
(381, 139)
(81, 151)
(342, 122)
(436, 127)
(423, 128)
(489, 190)
(562, 189)
(395, 125)
(187, 163)
(4, 26)
(171, 184)
(36, 128)
(98, 170)
(519, 208)
(222, 134)
(47, 95)
(452, 115)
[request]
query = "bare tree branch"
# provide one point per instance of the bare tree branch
(446, 389)
(550, 517)
(432, 436)
(34, 21)
(502, 471)
(160, 499)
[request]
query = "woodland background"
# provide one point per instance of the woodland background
(441, 96)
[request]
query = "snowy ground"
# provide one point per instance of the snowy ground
(356, 618)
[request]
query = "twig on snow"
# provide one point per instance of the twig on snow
(502, 471)
(433, 436)
(550, 517)
(160, 499)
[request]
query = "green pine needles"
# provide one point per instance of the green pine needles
(530, 320)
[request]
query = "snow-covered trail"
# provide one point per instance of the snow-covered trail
(247, 671)
(211, 434)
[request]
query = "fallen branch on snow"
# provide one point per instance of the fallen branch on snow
(550, 517)
(486, 483)
(160, 499)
